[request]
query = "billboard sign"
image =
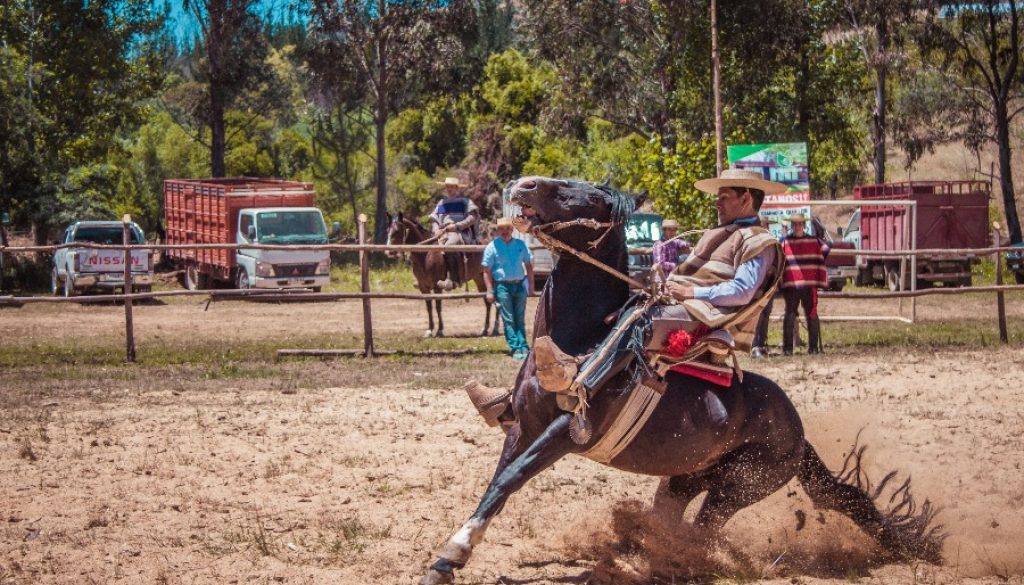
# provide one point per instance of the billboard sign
(785, 163)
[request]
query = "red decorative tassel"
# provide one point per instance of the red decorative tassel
(681, 340)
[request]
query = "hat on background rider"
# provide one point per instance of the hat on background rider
(454, 221)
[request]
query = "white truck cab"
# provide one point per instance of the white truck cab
(288, 226)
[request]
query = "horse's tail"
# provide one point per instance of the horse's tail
(902, 530)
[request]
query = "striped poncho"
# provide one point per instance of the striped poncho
(805, 262)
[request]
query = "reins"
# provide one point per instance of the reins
(555, 245)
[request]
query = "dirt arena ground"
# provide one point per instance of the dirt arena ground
(354, 471)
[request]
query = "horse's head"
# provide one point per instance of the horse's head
(545, 200)
(397, 232)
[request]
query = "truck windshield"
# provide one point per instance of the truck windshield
(106, 234)
(291, 227)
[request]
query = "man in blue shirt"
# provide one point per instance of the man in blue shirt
(508, 272)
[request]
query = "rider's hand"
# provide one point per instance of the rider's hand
(451, 227)
(679, 291)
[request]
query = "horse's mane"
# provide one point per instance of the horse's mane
(622, 204)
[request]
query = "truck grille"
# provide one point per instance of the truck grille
(294, 270)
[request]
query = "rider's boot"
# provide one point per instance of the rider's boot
(555, 369)
(813, 335)
(451, 263)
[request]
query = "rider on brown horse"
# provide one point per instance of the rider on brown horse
(454, 221)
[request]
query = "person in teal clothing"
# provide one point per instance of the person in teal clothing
(508, 273)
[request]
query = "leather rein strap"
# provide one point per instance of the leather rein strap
(549, 242)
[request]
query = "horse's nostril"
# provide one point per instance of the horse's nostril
(527, 185)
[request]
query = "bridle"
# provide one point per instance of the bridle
(543, 234)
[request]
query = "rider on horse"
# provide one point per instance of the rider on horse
(454, 221)
(723, 285)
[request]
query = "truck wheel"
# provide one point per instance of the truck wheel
(194, 278)
(892, 278)
(54, 282)
(243, 280)
(317, 289)
(1019, 277)
(837, 285)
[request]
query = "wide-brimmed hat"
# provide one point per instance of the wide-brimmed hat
(739, 178)
(504, 222)
(453, 181)
(797, 218)
(669, 223)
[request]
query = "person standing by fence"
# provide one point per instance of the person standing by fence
(508, 272)
(805, 273)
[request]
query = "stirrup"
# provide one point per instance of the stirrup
(556, 369)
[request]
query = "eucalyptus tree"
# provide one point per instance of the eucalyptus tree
(232, 64)
(390, 52)
(74, 76)
(975, 46)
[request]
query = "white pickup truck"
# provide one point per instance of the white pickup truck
(79, 269)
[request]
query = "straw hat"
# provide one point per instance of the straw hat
(453, 181)
(669, 223)
(797, 218)
(739, 178)
(504, 222)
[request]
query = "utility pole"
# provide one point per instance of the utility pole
(717, 90)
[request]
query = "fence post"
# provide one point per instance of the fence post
(128, 323)
(1000, 299)
(364, 277)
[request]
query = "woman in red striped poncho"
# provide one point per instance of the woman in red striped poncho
(804, 274)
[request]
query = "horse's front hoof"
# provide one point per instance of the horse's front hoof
(435, 577)
(428, 334)
(440, 333)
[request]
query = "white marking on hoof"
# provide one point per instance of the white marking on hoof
(428, 334)
(460, 546)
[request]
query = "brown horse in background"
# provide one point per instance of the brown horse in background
(429, 267)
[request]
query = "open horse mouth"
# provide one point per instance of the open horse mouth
(518, 196)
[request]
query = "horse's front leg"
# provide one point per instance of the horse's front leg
(430, 320)
(552, 445)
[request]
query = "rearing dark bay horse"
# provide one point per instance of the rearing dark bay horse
(739, 444)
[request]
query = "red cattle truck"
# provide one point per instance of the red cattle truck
(246, 210)
(950, 215)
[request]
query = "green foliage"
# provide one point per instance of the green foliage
(668, 178)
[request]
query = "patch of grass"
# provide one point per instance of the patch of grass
(231, 359)
(853, 336)
(396, 277)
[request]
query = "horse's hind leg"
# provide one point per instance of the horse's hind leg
(551, 446)
(675, 493)
(440, 321)
(746, 476)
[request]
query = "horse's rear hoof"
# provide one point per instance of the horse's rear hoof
(428, 334)
(439, 333)
(435, 577)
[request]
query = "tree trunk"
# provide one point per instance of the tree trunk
(878, 116)
(218, 147)
(1006, 172)
(380, 216)
(716, 82)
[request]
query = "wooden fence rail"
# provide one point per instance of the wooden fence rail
(365, 295)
